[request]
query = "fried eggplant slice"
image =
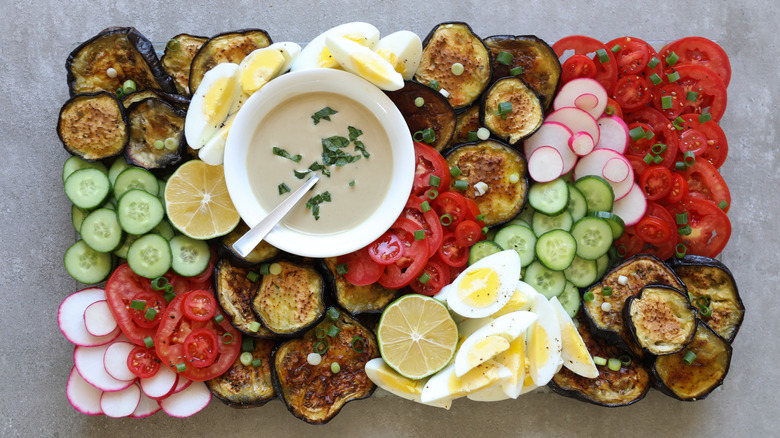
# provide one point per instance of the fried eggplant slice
(225, 47)
(93, 126)
(122, 49)
(709, 278)
(467, 121)
(511, 110)
(357, 299)
(449, 44)
(434, 113)
(661, 319)
(247, 386)
(693, 373)
(154, 120)
(235, 291)
(291, 301)
(178, 101)
(622, 387)
(316, 393)
(625, 280)
(492, 163)
(263, 251)
(177, 59)
(538, 62)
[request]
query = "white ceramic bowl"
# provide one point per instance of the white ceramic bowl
(353, 87)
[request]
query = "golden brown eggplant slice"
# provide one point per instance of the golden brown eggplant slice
(538, 62)
(93, 126)
(316, 393)
(235, 290)
(177, 100)
(499, 166)
(225, 47)
(122, 49)
(511, 110)
(358, 299)
(693, 373)
(449, 44)
(467, 121)
(247, 386)
(661, 319)
(154, 120)
(263, 251)
(177, 59)
(709, 278)
(291, 301)
(434, 112)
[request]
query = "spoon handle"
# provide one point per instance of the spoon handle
(252, 238)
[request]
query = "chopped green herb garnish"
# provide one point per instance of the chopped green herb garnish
(283, 188)
(323, 114)
(284, 154)
(313, 203)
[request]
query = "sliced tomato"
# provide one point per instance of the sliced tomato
(577, 66)
(653, 230)
(201, 347)
(386, 249)
(429, 162)
(451, 208)
(638, 164)
(656, 182)
(467, 233)
(200, 305)
(362, 270)
(122, 287)
(206, 274)
(704, 181)
(413, 260)
(707, 140)
(613, 108)
(143, 362)
(150, 306)
(436, 275)
(633, 56)
(629, 244)
(669, 99)
(710, 91)
(662, 250)
(632, 92)
(662, 133)
(710, 226)
(428, 221)
(451, 252)
(679, 189)
(176, 348)
(606, 72)
(700, 51)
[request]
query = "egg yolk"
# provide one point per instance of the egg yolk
(326, 59)
(478, 378)
(400, 384)
(573, 345)
(479, 288)
(513, 358)
(400, 67)
(264, 66)
(538, 346)
(217, 100)
(519, 301)
(486, 349)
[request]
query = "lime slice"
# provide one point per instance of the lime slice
(417, 336)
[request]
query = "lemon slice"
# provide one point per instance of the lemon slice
(417, 336)
(197, 201)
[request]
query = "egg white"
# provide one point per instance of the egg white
(497, 334)
(364, 62)
(403, 49)
(574, 352)
(504, 265)
(316, 55)
(543, 340)
(388, 379)
(289, 50)
(217, 97)
(446, 385)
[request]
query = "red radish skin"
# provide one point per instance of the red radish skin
(89, 363)
(545, 164)
(613, 134)
(584, 93)
(556, 135)
(182, 384)
(616, 170)
(593, 164)
(632, 207)
(121, 403)
(187, 402)
(70, 317)
(576, 120)
(98, 319)
(146, 407)
(161, 384)
(581, 143)
(115, 360)
(84, 397)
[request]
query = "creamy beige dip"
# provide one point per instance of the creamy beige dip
(290, 126)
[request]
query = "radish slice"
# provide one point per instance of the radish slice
(89, 363)
(84, 397)
(616, 170)
(614, 134)
(121, 403)
(146, 407)
(182, 384)
(188, 402)
(98, 319)
(584, 93)
(70, 318)
(161, 384)
(594, 163)
(115, 360)
(632, 207)
(581, 143)
(556, 135)
(545, 164)
(576, 120)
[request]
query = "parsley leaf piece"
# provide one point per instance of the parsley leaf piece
(323, 114)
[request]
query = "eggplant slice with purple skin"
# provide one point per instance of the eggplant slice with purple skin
(127, 52)
(661, 319)
(234, 290)
(247, 386)
(435, 112)
(263, 251)
(93, 126)
(153, 123)
(372, 298)
(511, 110)
(466, 122)
(177, 59)
(225, 47)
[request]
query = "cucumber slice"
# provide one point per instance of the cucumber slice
(77, 216)
(139, 212)
(482, 249)
(581, 272)
(543, 223)
(101, 231)
(149, 256)
(547, 282)
(556, 249)
(190, 257)
(87, 188)
(136, 178)
(527, 213)
(578, 206)
(593, 236)
(165, 229)
(116, 168)
(122, 250)
(617, 224)
(75, 163)
(550, 198)
(602, 264)
(518, 221)
(570, 299)
(519, 238)
(597, 192)
(85, 264)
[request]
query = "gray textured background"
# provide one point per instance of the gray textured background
(34, 214)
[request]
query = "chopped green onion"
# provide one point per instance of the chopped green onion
(265, 268)
(434, 181)
(691, 96)
(516, 71)
(283, 188)
(723, 205)
(252, 276)
(149, 342)
(704, 118)
(320, 347)
(625, 360)
(472, 136)
(666, 102)
(120, 93)
(658, 148)
(689, 357)
(653, 62)
(684, 230)
(680, 165)
(419, 234)
(427, 135)
(332, 313)
(180, 367)
(504, 108)
(648, 158)
(636, 133)
(352, 183)
(672, 59)
(588, 296)
(171, 144)
(432, 194)
(701, 300)
(342, 268)
(485, 230)
(335, 367)
(129, 86)
(159, 283)
(169, 296)
(613, 364)
(657, 159)
(680, 250)
(514, 178)
(358, 340)
(705, 312)
(425, 206)
(445, 219)
(616, 48)
(257, 363)
(246, 358)
(434, 84)
(419, 101)
(673, 77)
(603, 56)
(682, 218)
(460, 184)
(621, 250)
(159, 144)
(504, 58)
(150, 313)
(480, 217)
(172, 45)
(457, 69)
(333, 331)
(248, 344)
(424, 278)
(609, 110)
(254, 326)
(138, 304)
(649, 135)
(275, 269)
(689, 158)
(655, 79)
(606, 291)
(227, 338)
(455, 171)
(598, 360)
(678, 123)
(320, 333)
(219, 318)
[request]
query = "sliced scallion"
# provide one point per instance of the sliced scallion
(636, 133)
(457, 69)
(181, 367)
(419, 102)
(691, 96)
(704, 118)
(598, 360)
(257, 363)
(460, 184)
(248, 344)
(655, 79)
(138, 304)
(149, 342)
(606, 291)
(613, 364)
(504, 108)
(254, 326)
(455, 171)
(332, 313)
(679, 250)
(425, 206)
(689, 357)
(358, 344)
(504, 58)
(603, 56)
(335, 367)
(684, 230)
(419, 234)
(653, 62)
(219, 318)
(342, 268)
(672, 59)
(320, 347)
(472, 136)
(245, 358)
(723, 205)
(252, 276)
(666, 102)
(673, 77)
(516, 71)
(150, 314)
(681, 218)
(616, 48)
(434, 181)
(424, 278)
(445, 219)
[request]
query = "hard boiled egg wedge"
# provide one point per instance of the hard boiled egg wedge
(213, 153)
(403, 49)
(289, 50)
(259, 67)
(486, 286)
(575, 353)
(520, 300)
(490, 340)
(543, 342)
(216, 97)
(317, 55)
(445, 385)
(364, 62)
(388, 379)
